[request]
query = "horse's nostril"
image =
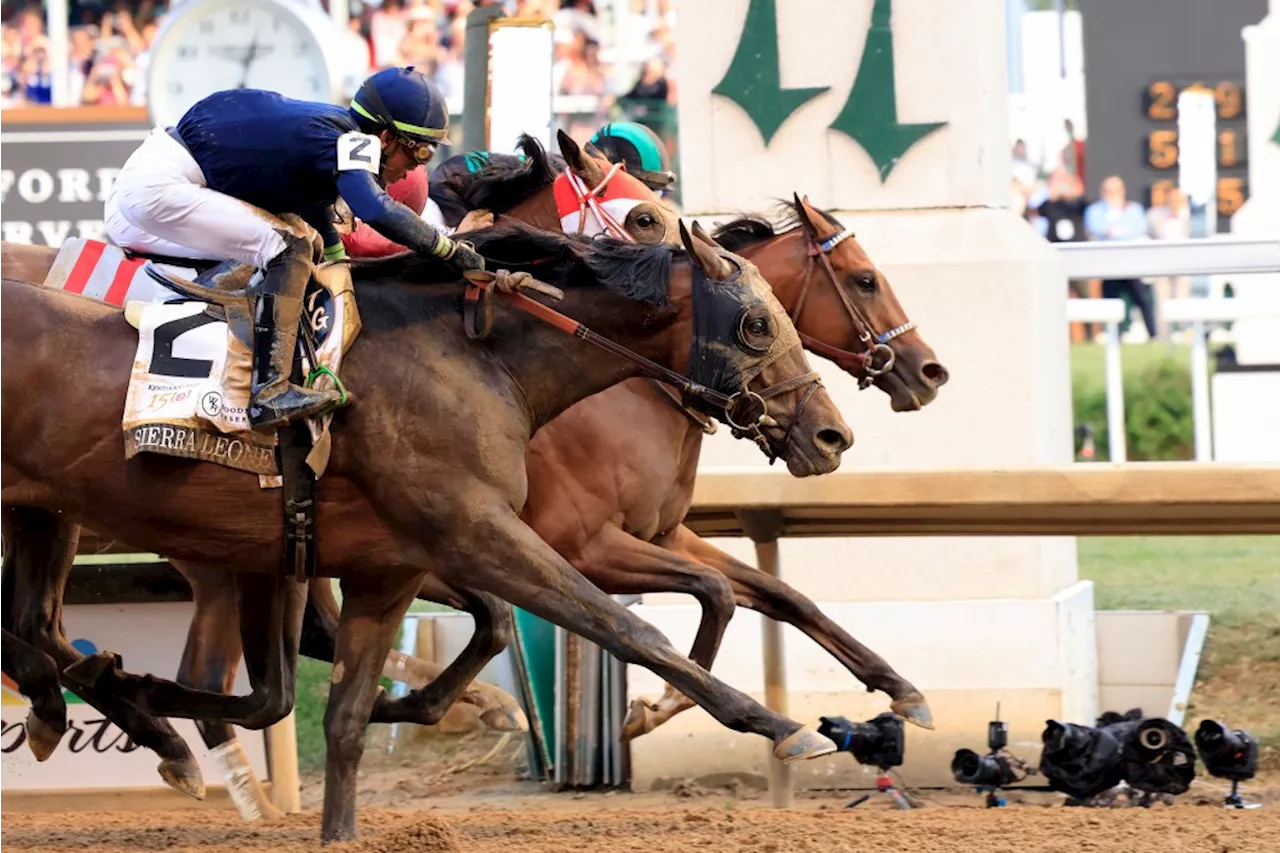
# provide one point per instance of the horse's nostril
(834, 439)
(935, 373)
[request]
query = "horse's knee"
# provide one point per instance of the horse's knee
(716, 595)
(641, 642)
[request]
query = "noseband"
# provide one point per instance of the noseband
(589, 199)
(877, 357)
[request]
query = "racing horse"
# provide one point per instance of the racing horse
(426, 473)
(789, 256)
(577, 508)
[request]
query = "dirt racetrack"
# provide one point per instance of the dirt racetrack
(600, 825)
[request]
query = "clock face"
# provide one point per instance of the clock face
(235, 44)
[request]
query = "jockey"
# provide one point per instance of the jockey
(640, 149)
(208, 188)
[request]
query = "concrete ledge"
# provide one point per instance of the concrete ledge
(1037, 658)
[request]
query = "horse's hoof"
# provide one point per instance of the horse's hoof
(914, 709)
(639, 721)
(505, 718)
(86, 671)
(802, 744)
(42, 737)
(184, 776)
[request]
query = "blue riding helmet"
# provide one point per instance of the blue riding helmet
(408, 104)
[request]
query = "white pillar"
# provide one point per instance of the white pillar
(894, 117)
(59, 49)
(1258, 340)
(340, 14)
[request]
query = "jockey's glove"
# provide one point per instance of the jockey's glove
(466, 258)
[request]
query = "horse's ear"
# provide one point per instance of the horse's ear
(703, 236)
(568, 148)
(805, 214)
(582, 165)
(705, 253)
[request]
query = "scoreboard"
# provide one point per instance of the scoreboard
(1160, 149)
(1139, 56)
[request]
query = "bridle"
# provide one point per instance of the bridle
(745, 411)
(589, 199)
(875, 347)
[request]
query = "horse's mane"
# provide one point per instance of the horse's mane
(501, 185)
(753, 229)
(635, 271)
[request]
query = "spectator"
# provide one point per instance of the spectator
(1073, 153)
(1024, 176)
(36, 77)
(1113, 217)
(1063, 217)
(387, 29)
(652, 85)
(82, 42)
(1170, 220)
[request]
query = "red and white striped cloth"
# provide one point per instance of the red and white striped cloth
(102, 271)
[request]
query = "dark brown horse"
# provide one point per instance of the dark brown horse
(426, 476)
(790, 260)
(618, 466)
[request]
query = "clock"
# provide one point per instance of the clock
(206, 46)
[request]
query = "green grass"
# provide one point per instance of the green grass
(1089, 362)
(1236, 580)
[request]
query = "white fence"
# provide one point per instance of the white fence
(1141, 259)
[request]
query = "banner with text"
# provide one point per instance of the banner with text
(55, 177)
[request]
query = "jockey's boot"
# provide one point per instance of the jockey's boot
(277, 308)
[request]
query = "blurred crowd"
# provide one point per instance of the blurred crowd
(1054, 198)
(609, 53)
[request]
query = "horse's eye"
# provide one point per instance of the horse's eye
(865, 282)
(646, 220)
(758, 326)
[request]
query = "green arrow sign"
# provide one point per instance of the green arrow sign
(753, 80)
(870, 115)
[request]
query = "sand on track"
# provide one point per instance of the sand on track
(567, 826)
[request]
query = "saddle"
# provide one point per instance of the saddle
(188, 392)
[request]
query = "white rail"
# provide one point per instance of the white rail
(1143, 258)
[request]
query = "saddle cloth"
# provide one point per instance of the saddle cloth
(189, 387)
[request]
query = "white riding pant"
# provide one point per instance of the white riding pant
(161, 204)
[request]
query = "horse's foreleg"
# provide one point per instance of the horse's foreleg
(502, 555)
(40, 548)
(270, 609)
(498, 710)
(776, 600)
(372, 609)
(494, 626)
(36, 675)
(209, 662)
(621, 564)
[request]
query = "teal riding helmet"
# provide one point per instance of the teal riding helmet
(640, 149)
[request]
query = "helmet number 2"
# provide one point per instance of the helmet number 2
(359, 151)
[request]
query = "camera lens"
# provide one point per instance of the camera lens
(1153, 738)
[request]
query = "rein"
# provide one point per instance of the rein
(878, 357)
(745, 411)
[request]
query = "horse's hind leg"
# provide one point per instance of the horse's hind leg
(270, 608)
(499, 710)
(40, 548)
(621, 564)
(494, 626)
(209, 662)
(372, 609)
(37, 678)
(776, 600)
(36, 675)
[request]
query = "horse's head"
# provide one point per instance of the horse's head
(605, 199)
(744, 346)
(858, 309)
(841, 303)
